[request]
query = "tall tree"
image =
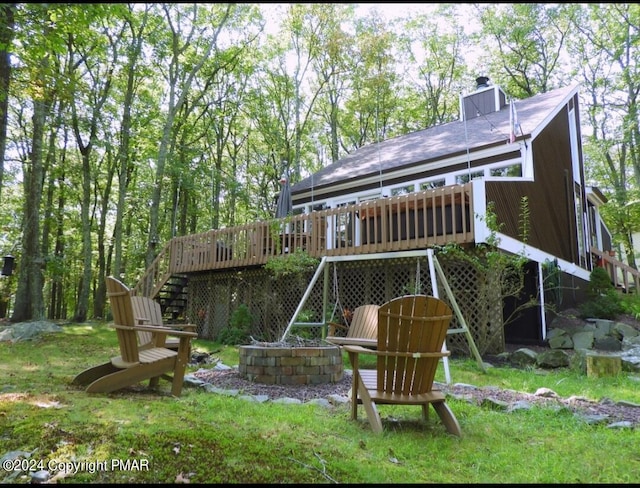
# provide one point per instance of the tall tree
(435, 60)
(7, 22)
(529, 40)
(332, 68)
(369, 110)
(187, 54)
(40, 41)
(607, 56)
(136, 22)
(92, 64)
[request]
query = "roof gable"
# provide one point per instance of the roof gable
(441, 142)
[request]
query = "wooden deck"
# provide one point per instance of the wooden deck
(403, 223)
(414, 221)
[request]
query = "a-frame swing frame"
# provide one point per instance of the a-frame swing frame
(436, 273)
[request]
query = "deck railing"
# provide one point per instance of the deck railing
(414, 221)
(623, 276)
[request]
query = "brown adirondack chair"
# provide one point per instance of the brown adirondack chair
(147, 311)
(411, 333)
(134, 364)
(363, 330)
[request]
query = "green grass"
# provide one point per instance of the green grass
(207, 438)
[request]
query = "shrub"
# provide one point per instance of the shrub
(239, 327)
(631, 304)
(296, 263)
(603, 300)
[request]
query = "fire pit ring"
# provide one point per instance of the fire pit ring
(291, 364)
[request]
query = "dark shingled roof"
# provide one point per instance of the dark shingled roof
(440, 142)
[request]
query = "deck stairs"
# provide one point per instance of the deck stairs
(173, 297)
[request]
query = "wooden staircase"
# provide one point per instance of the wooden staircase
(173, 297)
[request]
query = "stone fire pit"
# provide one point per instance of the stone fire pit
(299, 362)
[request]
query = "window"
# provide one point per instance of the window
(402, 190)
(343, 226)
(511, 170)
(430, 185)
(467, 177)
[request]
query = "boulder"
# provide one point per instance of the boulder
(523, 357)
(607, 343)
(624, 331)
(560, 341)
(553, 358)
(583, 339)
(631, 360)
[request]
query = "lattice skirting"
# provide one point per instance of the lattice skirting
(212, 298)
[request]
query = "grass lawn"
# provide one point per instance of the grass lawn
(143, 436)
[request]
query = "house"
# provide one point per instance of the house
(518, 161)
(510, 150)
(543, 163)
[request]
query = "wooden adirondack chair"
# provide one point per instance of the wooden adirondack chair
(363, 330)
(147, 311)
(134, 364)
(411, 333)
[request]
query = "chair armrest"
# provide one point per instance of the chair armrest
(364, 350)
(352, 341)
(185, 326)
(157, 329)
(360, 349)
(333, 326)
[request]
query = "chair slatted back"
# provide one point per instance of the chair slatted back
(364, 323)
(122, 310)
(410, 324)
(146, 311)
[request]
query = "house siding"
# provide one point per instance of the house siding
(550, 196)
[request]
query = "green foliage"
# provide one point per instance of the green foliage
(603, 299)
(599, 282)
(239, 327)
(412, 289)
(525, 219)
(296, 263)
(630, 303)
(306, 315)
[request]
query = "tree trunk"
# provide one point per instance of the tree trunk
(6, 36)
(123, 150)
(602, 365)
(29, 303)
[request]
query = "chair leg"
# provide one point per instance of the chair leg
(448, 419)
(89, 375)
(180, 368)
(370, 408)
(126, 377)
(355, 380)
(425, 412)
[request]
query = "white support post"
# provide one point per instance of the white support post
(434, 288)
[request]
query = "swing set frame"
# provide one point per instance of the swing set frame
(436, 273)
